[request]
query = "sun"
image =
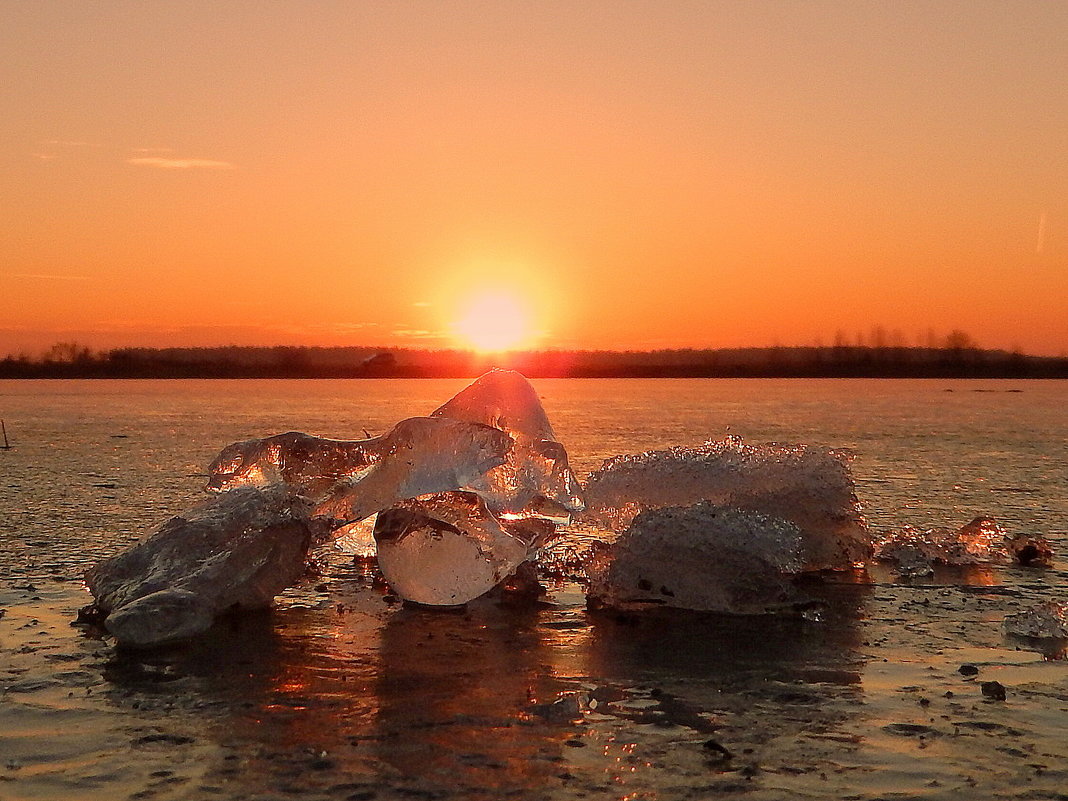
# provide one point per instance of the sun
(493, 321)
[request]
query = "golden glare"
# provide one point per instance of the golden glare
(493, 321)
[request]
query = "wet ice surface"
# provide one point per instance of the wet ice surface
(344, 693)
(376, 700)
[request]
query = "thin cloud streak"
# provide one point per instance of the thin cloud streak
(49, 277)
(180, 164)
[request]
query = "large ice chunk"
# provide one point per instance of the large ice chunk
(535, 478)
(237, 549)
(807, 486)
(419, 456)
(351, 480)
(482, 473)
(704, 557)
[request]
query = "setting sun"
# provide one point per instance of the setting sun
(493, 321)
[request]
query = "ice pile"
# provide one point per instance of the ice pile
(462, 497)
(809, 488)
(235, 551)
(705, 557)
(915, 552)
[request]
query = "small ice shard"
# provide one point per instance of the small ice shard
(910, 557)
(810, 487)
(704, 557)
(447, 549)
(357, 538)
(1030, 550)
(535, 479)
(1045, 621)
(237, 549)
(981, 541)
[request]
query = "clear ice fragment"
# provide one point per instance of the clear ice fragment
(236, 549)
(704, 557)
(448, 549)
(308, 465)
(535, 478)
(419, 456)
(807, 486)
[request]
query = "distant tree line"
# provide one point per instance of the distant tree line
(957, 356)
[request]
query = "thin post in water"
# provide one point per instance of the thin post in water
(3, 428)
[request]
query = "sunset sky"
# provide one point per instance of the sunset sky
(612, 174)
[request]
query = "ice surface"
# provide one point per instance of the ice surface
(807, 486)
(535, 478)
(981, 541)
(236, 549)
(447, 549)
(704, 557)
(1047, 620)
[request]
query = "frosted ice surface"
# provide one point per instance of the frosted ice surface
(447, 549)
(1047, 620)
(981, 541)
(239, 548)
(807, 486)
(704, 557)
(535, 478)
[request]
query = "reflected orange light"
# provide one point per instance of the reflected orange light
(493, 321)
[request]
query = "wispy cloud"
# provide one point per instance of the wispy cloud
(48, 147)
(421, 304)
(69, 143)
(415, 333)
(49, 277)
(161, 163)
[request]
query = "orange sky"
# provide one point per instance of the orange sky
(641, 174)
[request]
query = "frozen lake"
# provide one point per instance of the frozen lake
(341, 693)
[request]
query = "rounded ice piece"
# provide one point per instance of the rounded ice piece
(446, 549)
